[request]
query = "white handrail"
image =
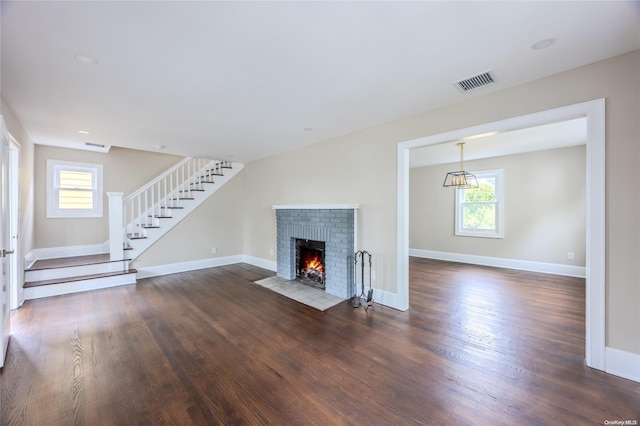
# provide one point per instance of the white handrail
(157, 178)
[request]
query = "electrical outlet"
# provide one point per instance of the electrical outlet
(271, 252)
(570, 256)
(214, 250)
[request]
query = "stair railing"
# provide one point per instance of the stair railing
(132, 215)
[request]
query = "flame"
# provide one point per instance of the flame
(315, 264)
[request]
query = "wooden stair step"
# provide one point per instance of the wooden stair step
(163, 217)
(65, 262)
(149, 226)
(78, 278)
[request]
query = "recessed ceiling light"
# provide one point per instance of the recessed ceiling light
(308, 129)
(160, 147)
(543, 44)
(85, 59)
(84, 132)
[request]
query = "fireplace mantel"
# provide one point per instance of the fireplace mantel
(316, 206)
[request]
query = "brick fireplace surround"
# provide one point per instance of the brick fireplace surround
(335, 225)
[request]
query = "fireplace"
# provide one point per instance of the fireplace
(310, 265)
(333, 224)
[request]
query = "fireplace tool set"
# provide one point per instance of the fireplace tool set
(362, 300)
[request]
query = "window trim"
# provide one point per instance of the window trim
(499, 192)
(53, 209)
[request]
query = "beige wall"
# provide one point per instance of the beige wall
(358, 169)
(216, 223)
(545, 208)
(361, 168)
(124, 170)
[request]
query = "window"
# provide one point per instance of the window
(73, 189)
(479, 211)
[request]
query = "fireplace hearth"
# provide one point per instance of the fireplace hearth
(310, 265)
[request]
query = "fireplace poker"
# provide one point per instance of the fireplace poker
(362, 300)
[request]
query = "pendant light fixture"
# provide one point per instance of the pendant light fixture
(460, 179)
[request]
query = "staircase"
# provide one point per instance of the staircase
(136, 222)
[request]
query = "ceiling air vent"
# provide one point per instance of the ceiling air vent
(94, 145)
(475, 82)
(98, 147)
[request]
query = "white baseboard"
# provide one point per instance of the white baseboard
(622, 364)
(385, 298)
(379, 296)
(70, 251)
(523, 265)
(174, 268)
(271, 265)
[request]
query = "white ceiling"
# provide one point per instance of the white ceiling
(550, 136)
(246, 80)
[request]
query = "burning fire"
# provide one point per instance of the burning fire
(315, 265)
(311, 266)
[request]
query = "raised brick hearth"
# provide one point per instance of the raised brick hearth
(336, 227)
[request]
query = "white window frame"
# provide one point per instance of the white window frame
(53, 172)
(498, 232)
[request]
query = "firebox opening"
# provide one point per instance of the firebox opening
(310, 268)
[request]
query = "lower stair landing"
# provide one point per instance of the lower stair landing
(54, 277)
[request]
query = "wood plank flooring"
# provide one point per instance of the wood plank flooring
(479, 346)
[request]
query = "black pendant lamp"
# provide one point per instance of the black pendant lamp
(460, 179)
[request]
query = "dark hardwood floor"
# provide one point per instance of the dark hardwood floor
(479, 346)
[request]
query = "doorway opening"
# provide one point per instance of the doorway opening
(594, 112)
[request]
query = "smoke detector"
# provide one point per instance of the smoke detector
(475, 82)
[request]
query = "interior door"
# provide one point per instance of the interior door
(5, 243)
